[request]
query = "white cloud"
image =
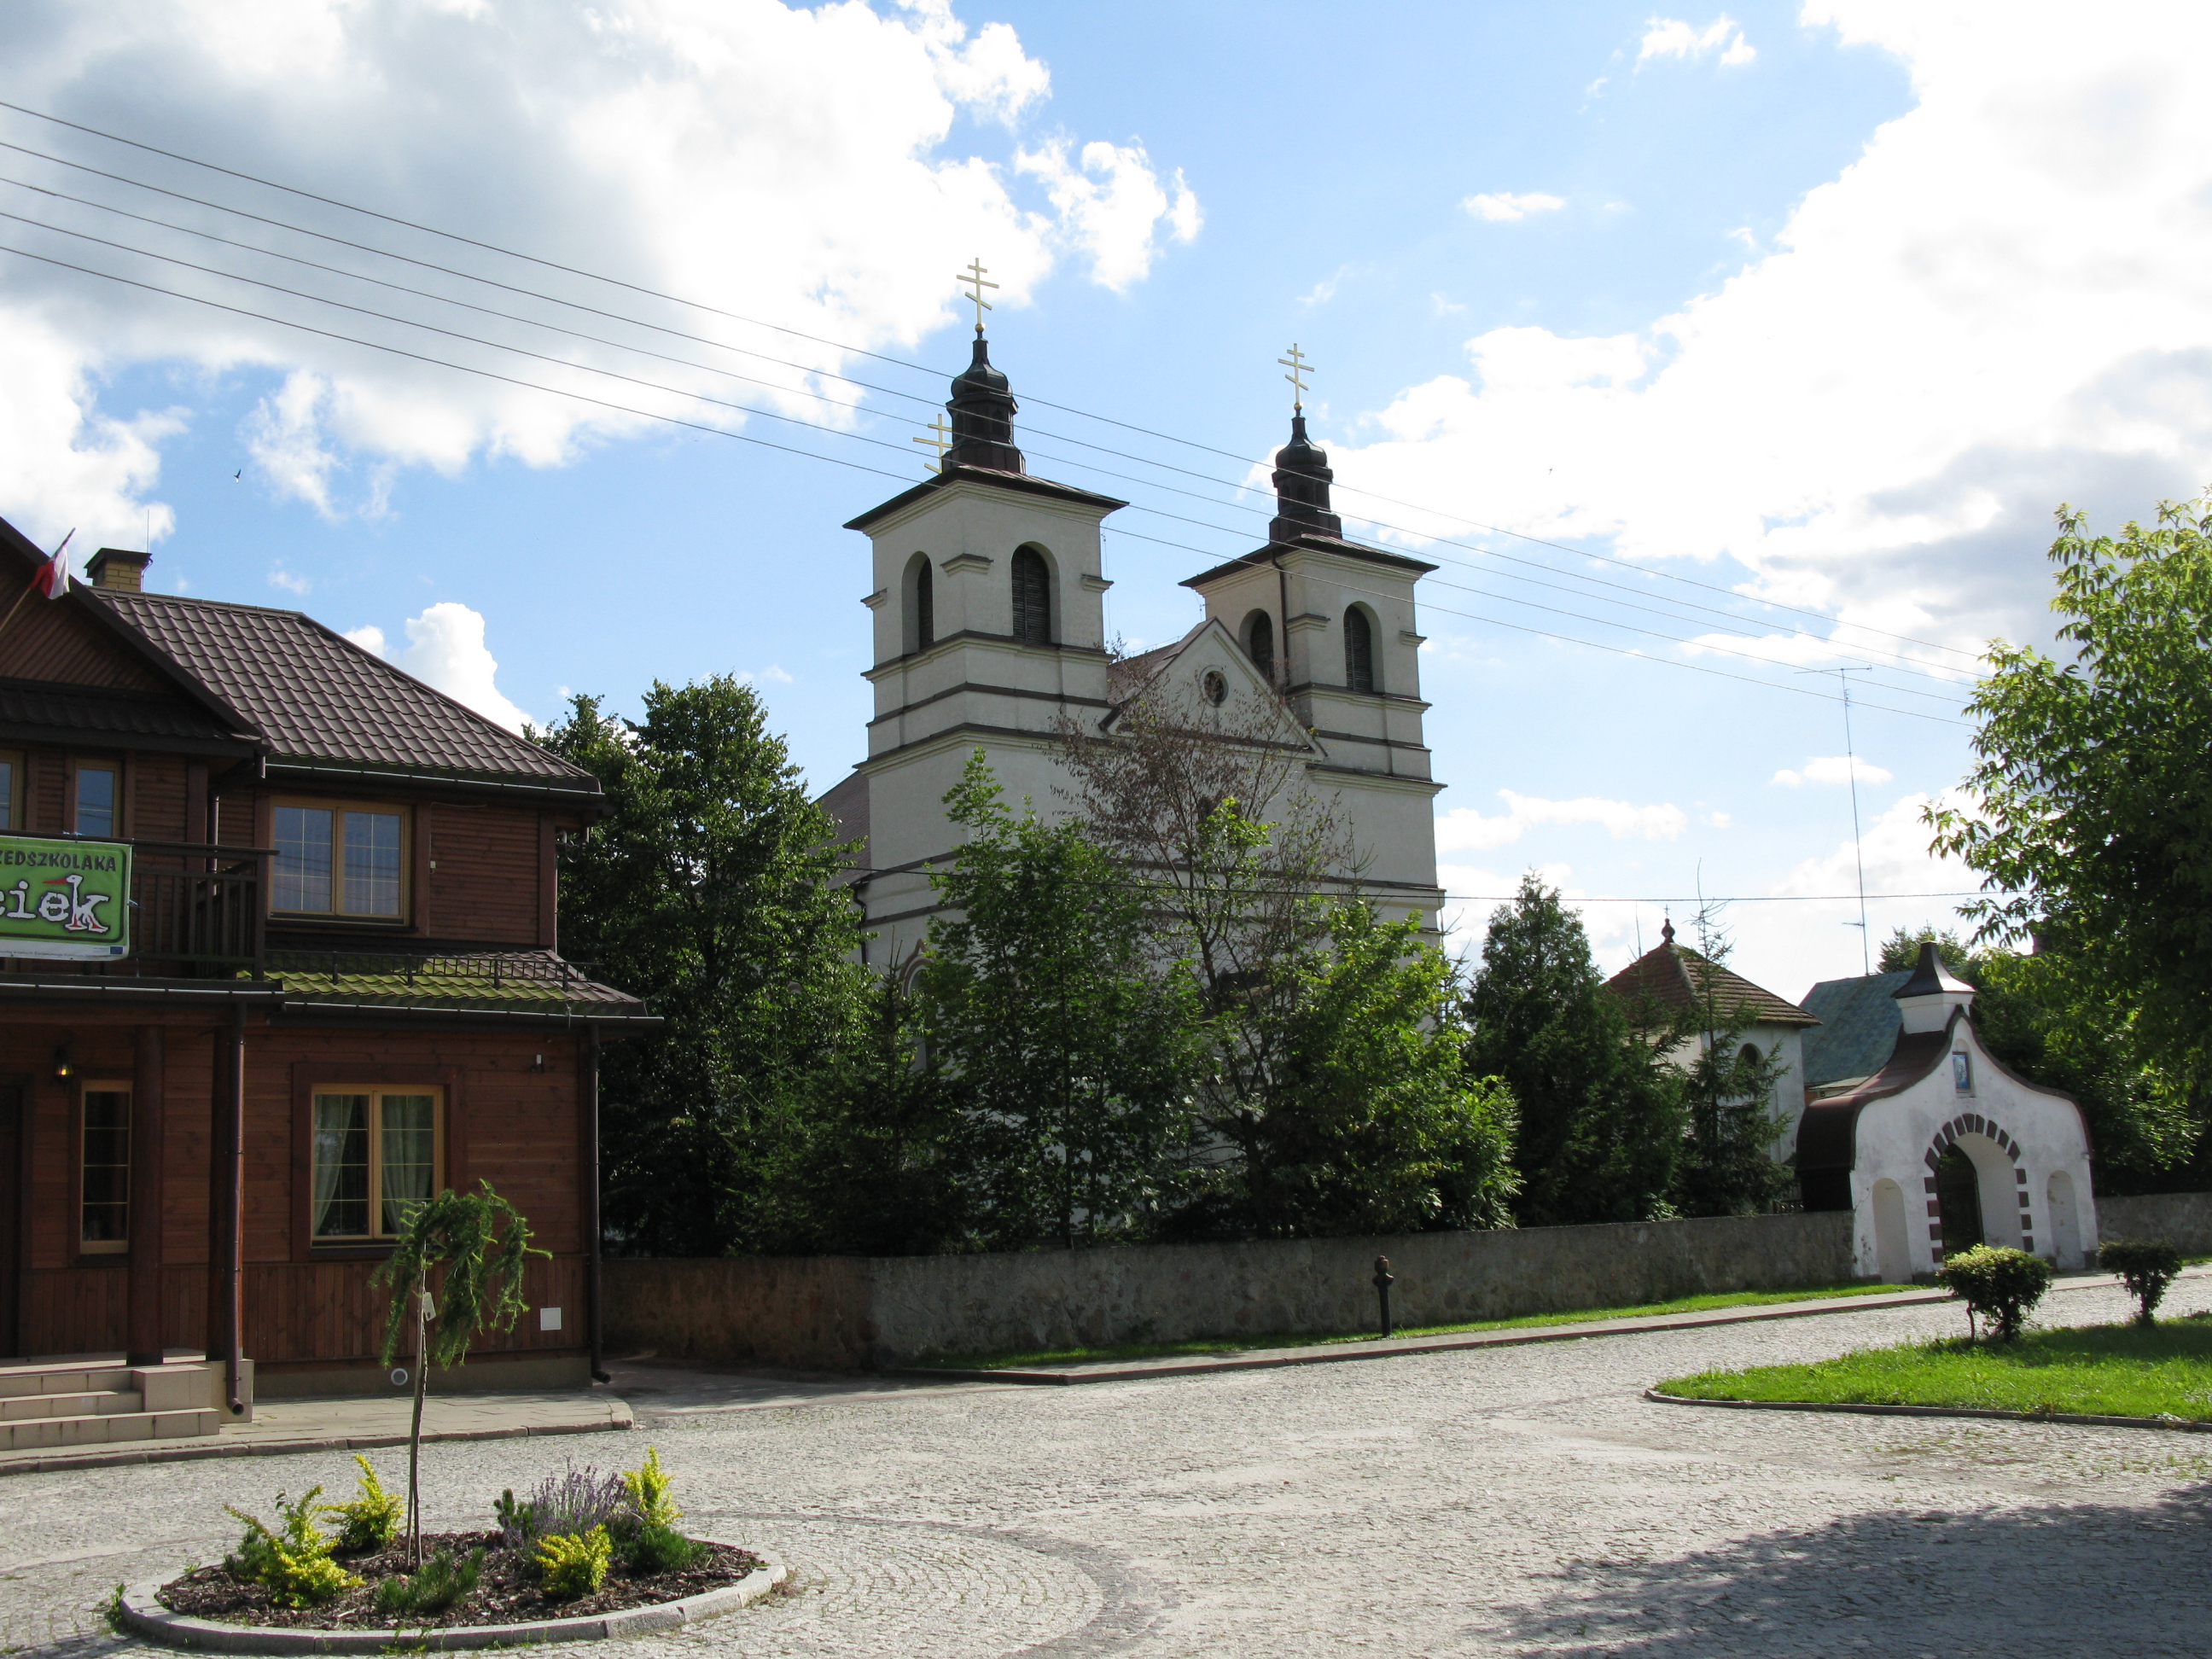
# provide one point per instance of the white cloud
(1833, 768)
(794, 163)
(1465, 830)
(1112, 206)
(290, 582)
(445, 649)
(776, 675)
(1506, 205)
(369, 638)
(1999, 305)
(1670, 37)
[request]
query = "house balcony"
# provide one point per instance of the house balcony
(196, 912)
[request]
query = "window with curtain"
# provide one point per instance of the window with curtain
(1259, 642)
(375, 1158)
(340, 860)
(105, 1198)
(924, 609)
(1032, 597)
(95, 801)
(1358, 651)
(11, 770)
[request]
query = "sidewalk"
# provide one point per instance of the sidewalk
(1325, 1353)
(352, 1424)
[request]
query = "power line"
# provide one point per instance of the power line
(1748, 899)
(591, 276)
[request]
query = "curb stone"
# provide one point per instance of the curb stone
(139, 1609)
(2079, 1420)
(619, 1417)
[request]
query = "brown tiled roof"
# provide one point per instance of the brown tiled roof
(514, 982)
(99, 709)
(1673, 978)
(318, 697)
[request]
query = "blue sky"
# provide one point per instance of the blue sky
(1797, 302)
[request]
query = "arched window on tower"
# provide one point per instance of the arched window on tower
(1259, 642)
(1032, 597)
(1358, 651)
(924, 609)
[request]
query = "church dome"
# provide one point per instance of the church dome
(1302, 482)
(982, 408)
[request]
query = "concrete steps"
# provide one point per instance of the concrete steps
(94, 1401)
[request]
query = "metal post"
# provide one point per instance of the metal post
(232, 1142)
(1385, 1278)
(142, 1321)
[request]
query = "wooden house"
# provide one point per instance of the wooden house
(332, 985)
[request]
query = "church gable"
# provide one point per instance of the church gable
(1209, 673)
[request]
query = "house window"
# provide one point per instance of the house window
(12, 771)
(104, 1208)
(375, 1158)
(94, 813)
(924, 609)
(1358, 651)
(339, 861)
(1962, 1073)
(1032, 597)
(1259, 642)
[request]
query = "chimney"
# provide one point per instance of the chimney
(114, 568)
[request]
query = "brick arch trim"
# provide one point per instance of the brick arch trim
(1974, 1123)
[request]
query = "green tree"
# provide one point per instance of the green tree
(710, 891)
(1363, 1117)
(1728, 1166)
(475, 1245)
(2090, 813)
(1601, 1111)
(1072, 1044)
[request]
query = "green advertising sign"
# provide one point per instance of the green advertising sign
(64, 898)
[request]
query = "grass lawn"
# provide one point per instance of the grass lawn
(1245, 1344)
(2106, 1371)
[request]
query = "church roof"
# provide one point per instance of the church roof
(1859, 1023)
(1335, 545)
(955, 472)
(1674, 978)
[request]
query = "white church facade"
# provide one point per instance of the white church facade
(987, 595)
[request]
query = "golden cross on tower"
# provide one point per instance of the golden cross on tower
(972, 279)
(1296, 363)
(938, 433)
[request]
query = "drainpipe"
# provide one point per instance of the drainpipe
(591, 1203)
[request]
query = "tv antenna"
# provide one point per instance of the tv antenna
(1851, 770)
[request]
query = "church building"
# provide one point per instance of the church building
(988, 598)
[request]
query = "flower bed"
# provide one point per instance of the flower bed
(507, 1592)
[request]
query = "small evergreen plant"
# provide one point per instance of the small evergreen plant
(1998, 1286)
(2146, 1267)
(370, 1522)
(438, 1584)
(570, 1565)
(294, 1567)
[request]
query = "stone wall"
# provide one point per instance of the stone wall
(851, 1313)
(2184, 1219)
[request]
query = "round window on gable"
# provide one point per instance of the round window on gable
(1215, 686)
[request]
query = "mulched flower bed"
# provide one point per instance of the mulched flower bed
(508, 1593)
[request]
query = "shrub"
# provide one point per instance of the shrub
(295, 1568)
(2145, 1268)
(371, 1521)
(518, 1523)
(576, 1500)
(1997, 1285)
(648, 1488)
(436, 1585)
(660, 1548)
(571, 1564)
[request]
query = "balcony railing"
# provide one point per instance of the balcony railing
(196, 911)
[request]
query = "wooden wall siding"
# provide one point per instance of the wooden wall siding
(50, 641)
(157, 800)
(76, 1310)
(329, 1311)
(486, 884)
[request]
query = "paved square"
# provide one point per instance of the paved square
(1514, 1501)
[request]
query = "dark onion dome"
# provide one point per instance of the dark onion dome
(982, 410)
(1302, 481)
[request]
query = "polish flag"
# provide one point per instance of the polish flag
(53, 579)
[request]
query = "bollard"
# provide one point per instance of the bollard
(1385, 1278)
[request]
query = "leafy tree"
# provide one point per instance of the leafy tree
(2091, 814)
(1600, 1112)
(1071, 1046)
(710, 891)
(476, 1244)
(1728, 1166)
(1900, 952)
(1365, 1120)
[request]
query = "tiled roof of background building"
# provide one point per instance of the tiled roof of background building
(316, 695)
(1673, 978)
(1859, 1023)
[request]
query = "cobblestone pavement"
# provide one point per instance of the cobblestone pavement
(1521, 1501)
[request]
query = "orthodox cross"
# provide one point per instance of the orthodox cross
(972, 279)
(936, 439)
(1296, 363)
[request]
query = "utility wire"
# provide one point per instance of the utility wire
(493, 247)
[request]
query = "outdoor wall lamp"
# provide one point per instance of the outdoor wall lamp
(64, 1068)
